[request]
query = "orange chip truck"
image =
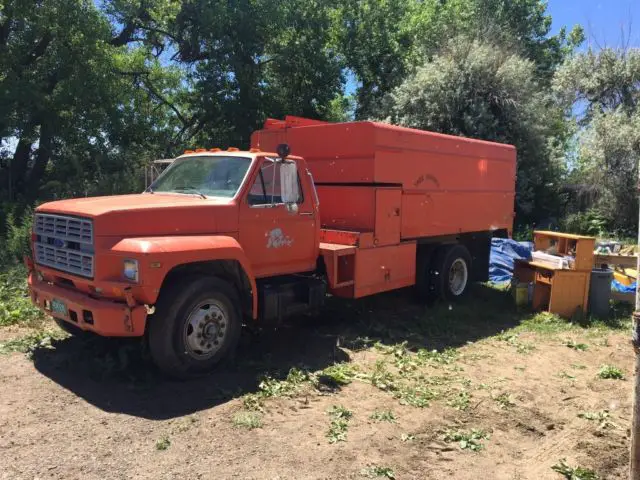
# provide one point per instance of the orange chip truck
(228, 237)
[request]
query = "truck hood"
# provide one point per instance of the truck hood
(150, 214)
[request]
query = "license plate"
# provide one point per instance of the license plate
(58, 307)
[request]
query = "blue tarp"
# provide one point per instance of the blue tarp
(616, 286)
(504, 252)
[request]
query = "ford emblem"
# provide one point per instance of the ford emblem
(59, 243)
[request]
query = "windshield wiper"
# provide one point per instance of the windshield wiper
(191, 189)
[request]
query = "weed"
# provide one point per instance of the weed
(271, 387)
(248, 420)
(610, 372)
(29, 343)
(253, 401)
(340, 417)
(471, 440)
(375, 471)
(574, 473)
(508, 337)
(524, 348)
(416, 395)
(163, 443)
(381, 378)
(505, 400)
(446, 357)
(15, 304)
(578, 366)
(461, 401)
(383, 416)
(582, 347)
(545, 323)
(407, 437)
(339, 374)
(602, 417)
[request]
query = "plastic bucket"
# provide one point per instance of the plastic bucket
(521, 294)
(600, 291)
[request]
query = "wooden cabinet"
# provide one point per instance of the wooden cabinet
(563, 291)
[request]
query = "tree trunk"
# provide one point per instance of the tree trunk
(19, 166)
(42, 159)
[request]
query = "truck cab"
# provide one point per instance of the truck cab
(230, 217)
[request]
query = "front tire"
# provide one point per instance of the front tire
(450, 273)
(196, 325)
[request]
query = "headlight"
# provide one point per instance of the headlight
(130, 270)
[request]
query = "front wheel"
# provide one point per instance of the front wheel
(451, 272)
(196, 325)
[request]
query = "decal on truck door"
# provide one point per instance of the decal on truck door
(277, 239)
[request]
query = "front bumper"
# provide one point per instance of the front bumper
(104, 317)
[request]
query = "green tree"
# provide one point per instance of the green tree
(253, 59)
(483, 91)
(70, 85)
(602, 90)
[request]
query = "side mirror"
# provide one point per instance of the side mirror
(289, 183)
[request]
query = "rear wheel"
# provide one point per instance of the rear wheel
(450, 272)
(196, 325)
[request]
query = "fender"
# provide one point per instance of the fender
(159, 255)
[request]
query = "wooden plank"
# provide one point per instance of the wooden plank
(622, 260)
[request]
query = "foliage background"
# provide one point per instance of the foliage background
(90, 91)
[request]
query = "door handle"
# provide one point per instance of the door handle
(306, 214)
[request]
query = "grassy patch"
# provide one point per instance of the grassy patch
(376, 471)
(566, 375)
(340, 417)
(338, 374)
(163, 443)
(272, 387)
(574, 473)
(15, 303)
(248, 420)
(29, 343)
(467, 440)
(572, 344)
(416, 395)
(461, 401)
(603, 418)
(505, 400)
(610, 372)
(383, 416)
(380, 377)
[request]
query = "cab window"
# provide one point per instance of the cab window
(267, 185)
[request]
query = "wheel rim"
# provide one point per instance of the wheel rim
(205, 329)
(458, 276)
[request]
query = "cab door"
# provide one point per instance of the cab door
(277, 239)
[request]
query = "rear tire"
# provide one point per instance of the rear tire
(450, 272)
(196, 325)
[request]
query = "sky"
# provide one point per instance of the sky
(603, 20)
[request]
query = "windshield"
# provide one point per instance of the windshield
(214, 176)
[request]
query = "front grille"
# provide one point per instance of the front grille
(64, 243)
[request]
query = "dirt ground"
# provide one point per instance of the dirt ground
(96, 409)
